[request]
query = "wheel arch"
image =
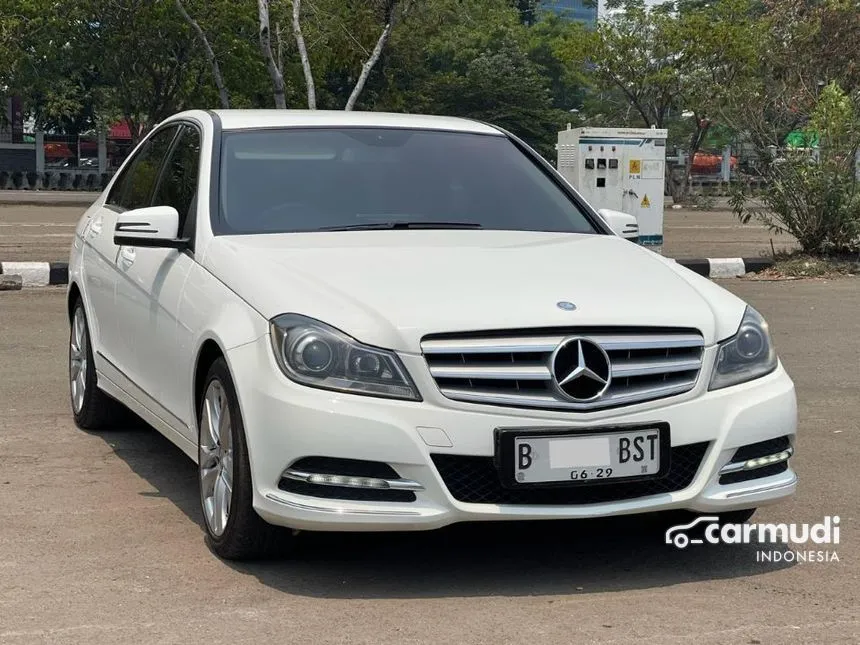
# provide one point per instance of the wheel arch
(72, 297)
(209, 352)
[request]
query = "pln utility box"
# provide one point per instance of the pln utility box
(621, 169)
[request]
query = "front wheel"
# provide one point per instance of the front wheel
(234, 531)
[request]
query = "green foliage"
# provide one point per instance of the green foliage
(815, 195)
(501, 86)
(833, 119)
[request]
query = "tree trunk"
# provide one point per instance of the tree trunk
(368, 65)
(702, 127)
(266, 48)
(377, 50)
(210, 56)
(303, 54)
(280, 48)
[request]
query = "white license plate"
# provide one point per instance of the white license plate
(563, 458)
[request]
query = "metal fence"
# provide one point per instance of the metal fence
(48, 161)
(74, 152)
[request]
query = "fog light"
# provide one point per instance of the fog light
(758, 462)
(347, 481)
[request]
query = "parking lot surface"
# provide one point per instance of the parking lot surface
(43, 233)
(101, 542)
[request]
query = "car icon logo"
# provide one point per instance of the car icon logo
(565, 305)
(676, 534)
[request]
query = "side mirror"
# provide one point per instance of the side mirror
(622, 224)
(155, 226)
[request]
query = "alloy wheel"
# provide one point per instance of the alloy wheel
(78, 360)
(216, 458)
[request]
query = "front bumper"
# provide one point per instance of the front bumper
(285, 422)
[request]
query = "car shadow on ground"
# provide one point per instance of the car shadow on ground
(476, 559)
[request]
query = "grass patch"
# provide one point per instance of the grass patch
(797, 264)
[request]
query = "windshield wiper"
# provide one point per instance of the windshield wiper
(381, 226)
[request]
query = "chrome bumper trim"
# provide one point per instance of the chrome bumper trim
(337, 510)
(767, 488)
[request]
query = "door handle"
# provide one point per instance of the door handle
(127, 255)
(95, 227)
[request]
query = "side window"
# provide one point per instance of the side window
(178, 185)
(133, 189)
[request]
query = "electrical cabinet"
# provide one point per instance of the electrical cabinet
(621, 169)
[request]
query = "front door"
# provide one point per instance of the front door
(150, 285)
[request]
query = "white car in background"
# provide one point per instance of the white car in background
(360, 321)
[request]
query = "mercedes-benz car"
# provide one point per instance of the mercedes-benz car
(363, 321)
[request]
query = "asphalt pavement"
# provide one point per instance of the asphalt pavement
(101, 541)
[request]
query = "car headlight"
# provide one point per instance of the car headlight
(745, 356)
(315, 354)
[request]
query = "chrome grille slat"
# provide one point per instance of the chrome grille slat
(514, 369)
(624, 368)
(491, 345)
(551, 402)
(518, 344)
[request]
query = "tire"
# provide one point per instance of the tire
(234, 531)
(92, 408)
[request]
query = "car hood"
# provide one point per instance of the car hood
(390, 288)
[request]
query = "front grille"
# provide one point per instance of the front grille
(514, 368)
(476, 480)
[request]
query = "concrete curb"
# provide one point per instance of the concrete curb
(37, 274)
(726, 267)
(42, 274)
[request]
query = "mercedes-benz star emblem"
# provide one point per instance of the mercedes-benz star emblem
(581, 369)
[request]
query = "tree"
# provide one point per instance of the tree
(814, 194)
(210, 55)
(266, 48)
(674, 65)
(303, 53)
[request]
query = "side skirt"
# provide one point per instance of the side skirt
(173, 434)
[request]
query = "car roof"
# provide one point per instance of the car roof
(250, 119)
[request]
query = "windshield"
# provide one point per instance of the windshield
(292, 180)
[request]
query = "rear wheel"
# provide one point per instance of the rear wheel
(92, 408)
(234, 531)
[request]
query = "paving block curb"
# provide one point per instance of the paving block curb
(725, 267)
(37, 274)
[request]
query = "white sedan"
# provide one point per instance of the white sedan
(357, 321)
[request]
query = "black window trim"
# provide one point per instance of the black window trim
(215, 218)
(131, 160)
(191, 232)
(555, 176)
(180, 125)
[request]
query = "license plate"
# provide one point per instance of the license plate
(545, 457)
